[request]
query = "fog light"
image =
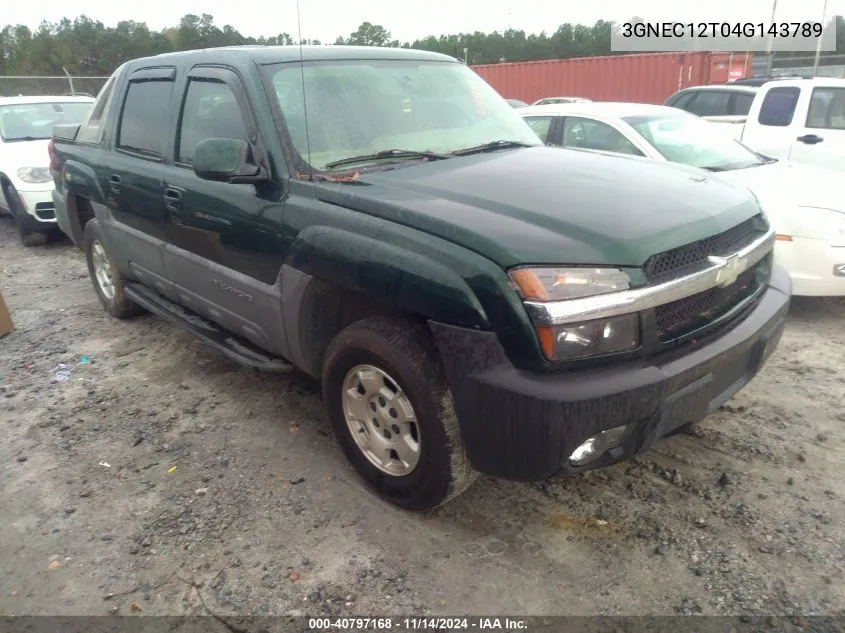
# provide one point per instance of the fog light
(590, 338)
(598, 445)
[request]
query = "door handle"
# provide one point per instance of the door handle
(114, 183)
(173, 198)
(810, 139)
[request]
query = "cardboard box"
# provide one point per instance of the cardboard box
(5, 318)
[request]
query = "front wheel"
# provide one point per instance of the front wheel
(29, 237)
(392, 412)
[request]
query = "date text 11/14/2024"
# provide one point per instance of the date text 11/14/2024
(417, 624)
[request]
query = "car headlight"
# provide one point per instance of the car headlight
(35, 175)
(583, 339)
(555, 284)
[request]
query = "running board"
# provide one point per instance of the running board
(230, 345)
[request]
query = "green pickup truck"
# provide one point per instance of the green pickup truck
(471, 300)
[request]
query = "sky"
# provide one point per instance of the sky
(407, 21)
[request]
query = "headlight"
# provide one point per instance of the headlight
(588, 338)
(555, 284)
(35, 174)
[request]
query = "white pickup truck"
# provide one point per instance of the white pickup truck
(802, 120)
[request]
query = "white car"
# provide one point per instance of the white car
(26, 185)
(804, 203)
(557, 100)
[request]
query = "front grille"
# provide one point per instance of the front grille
(676, 261)
(691, 313)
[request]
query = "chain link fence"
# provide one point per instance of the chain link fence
(829, 66)
(60, 85)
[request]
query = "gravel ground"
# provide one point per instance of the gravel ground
(162, 479)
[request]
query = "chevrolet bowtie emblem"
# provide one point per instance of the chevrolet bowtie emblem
(729, 269)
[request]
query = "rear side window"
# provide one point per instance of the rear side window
(827, 109)
(779, 106)
(742, 104)
(144, 121)
(709, 103)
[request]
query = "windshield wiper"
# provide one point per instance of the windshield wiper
(715, 168)
(386, 153)
(489, 147)
(27, 138)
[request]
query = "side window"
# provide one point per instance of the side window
(827, 109)
(540, 125)
(595, 135)
(91, 130)
(742, 104)
(779, 106)
(709, 103)
(210, 110)
(681, 100)
(143, 122)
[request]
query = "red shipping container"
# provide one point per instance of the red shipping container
(642, 77)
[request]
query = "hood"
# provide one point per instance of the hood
(784, 185)
(26, 154)
(546, 205)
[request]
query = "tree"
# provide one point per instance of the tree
(85, 46)
(369, 35)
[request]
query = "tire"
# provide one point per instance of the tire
(32, 238)
(28, 237)
(405, 353)
(113, 295)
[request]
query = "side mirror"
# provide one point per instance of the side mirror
(226, 160)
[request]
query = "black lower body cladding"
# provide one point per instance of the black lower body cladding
(524, 426)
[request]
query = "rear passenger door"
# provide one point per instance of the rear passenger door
(133, 175)
(224, 246)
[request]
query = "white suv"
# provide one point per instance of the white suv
(26, 184)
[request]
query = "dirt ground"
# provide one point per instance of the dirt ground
(160, 478)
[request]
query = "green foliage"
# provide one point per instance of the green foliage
(85, 46)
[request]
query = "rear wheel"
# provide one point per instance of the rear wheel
(393, 414)
(107, 279)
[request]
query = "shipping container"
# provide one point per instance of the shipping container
(642, 77)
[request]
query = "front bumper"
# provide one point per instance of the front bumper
(811, 265)
(524, 426)
(40, 211)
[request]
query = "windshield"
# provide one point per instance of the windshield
(363, 107)
(35, 121)
(684, 138)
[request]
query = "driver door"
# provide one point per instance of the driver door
(224, 247)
